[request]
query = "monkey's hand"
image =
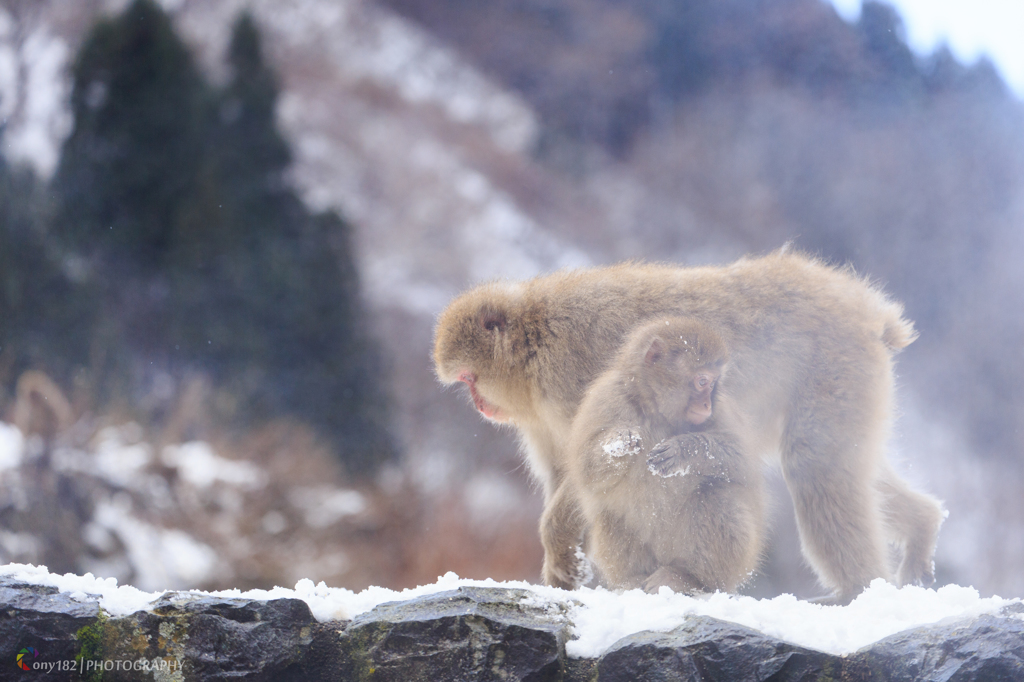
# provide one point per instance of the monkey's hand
(558, 574)
(689, 454)
(567, 570)
(920, 572)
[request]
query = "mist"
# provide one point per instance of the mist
(458, 144)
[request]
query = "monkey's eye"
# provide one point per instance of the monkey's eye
(492, 320)
(701, 381)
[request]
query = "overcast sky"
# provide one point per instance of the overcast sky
(970, 28)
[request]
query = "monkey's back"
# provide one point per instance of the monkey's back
(785, 318)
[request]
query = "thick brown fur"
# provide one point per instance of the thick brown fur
(687, 514)
(811, 376)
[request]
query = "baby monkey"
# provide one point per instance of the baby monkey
(666, 495)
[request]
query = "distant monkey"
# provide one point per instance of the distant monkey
(40, 407)
(688, 515)
(810, 384)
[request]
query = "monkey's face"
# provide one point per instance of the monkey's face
(476, 343)
(682, 362)
(680, 388)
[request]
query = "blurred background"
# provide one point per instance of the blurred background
(226, 229)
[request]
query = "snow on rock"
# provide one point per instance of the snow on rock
(116, 600)
(882, 610)
(600, 617)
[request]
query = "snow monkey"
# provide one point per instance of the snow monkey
(685, 513)
(810, 381)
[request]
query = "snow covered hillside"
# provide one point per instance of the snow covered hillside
(181, 515)
(436, 162)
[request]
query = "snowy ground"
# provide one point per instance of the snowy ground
(600, 618)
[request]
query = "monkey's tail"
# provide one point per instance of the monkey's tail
(897, 331)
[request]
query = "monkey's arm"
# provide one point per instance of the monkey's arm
(561, 532)
(710, 454)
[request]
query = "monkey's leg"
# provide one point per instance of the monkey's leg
(675, 578)
(561, 532)
(623, 560)
(913, 518)
(831, 479)
(713, 518)
(719, 535)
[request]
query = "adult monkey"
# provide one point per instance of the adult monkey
(811, 375)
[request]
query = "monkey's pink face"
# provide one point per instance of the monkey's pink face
(483, 406)
(475, 344)
(698, 409)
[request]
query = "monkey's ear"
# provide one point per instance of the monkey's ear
(492, 319)
(655, 352)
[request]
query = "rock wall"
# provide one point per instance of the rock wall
(471, 633)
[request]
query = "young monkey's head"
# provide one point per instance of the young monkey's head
(679, 362)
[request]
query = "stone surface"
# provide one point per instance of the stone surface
(232, 638)
(41, 619)
(986, 649)
(708, 649)
(470, 633)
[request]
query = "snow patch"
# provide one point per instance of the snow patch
(161, 556)
(324, 506)
(626, 444)
(599, 617)
(198, 464)
(118, 460)
(374, 44)
(18, 545)
(12, 446)
(34, 88)
(584, 567)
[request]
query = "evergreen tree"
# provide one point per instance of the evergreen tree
(292, 275)
(44, 317)
(176, 197)
(130, 167)
(680, 55)
(897, 76)
(253, 156)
